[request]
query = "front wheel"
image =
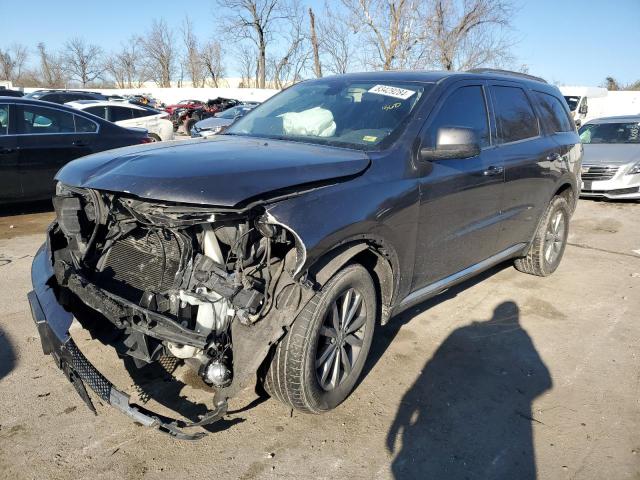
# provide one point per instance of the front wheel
(547, 248)
(317, 364)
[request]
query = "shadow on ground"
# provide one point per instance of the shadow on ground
(468, 415)
(7, 356)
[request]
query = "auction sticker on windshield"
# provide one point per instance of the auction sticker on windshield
(395, 92)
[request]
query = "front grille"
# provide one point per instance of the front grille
(143, 260)
(598, 172)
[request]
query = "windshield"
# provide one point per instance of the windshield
(336, 111)
(627, 132)
(572, 101)
(232, 112)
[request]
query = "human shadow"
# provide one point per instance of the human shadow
(7, 355)
(468, 415)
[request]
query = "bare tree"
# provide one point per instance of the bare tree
(82, 61)
(468, 34)
(248, 67)
(13, 61)
(254, 20)
(192, 55)
(159, 50)
(289, 66)
(52, 72)
(390, 29)
(315, 45)
(211, 56)
(336, 41)
(126, 67)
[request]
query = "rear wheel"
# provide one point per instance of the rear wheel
(154, 137)
(546, 250)
(317, 364)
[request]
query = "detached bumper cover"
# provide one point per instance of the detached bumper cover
(53, 324)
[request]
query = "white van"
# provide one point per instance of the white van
(578, 100)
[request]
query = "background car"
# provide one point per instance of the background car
(38, 138)
(64, 96)
(611, 163)
(5, 92)
(128, 114)
(183, 104)
(214, 125)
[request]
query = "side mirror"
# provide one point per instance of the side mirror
(453, 142)
(584, 108)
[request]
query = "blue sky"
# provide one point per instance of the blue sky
(566, 41)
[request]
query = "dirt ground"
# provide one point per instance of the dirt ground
(506, 376)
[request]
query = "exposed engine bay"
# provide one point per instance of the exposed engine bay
(213, 288)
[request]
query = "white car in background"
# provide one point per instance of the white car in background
(128, 114)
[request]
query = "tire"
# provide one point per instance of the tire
(292, 376)
(538, 260)
(154, 137)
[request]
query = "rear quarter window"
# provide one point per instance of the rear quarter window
(553, 114)
(514, 114)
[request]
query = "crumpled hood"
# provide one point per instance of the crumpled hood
(223, 171)
(610, 153)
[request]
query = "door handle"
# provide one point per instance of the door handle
(493, 170)
(7, 151)
(554, 157)
(80, 143)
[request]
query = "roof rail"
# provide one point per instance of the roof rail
(511, 73)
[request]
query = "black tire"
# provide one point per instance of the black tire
(292, 376)
(154, 137)
(537, 261)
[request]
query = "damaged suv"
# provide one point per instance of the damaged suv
(267, 256)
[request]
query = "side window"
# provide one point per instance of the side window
(554, 115)
(514, 115)
(84, 125)
(4, 119)
(97, 111)
(139, 113)
(119, 113)
(466, 108)
(52, 97)
(42, 120)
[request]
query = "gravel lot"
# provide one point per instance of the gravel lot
(506, 376)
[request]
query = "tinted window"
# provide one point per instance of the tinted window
(98, 111)
(120, 113)
(554, 116)
(4, 119)
(42, 120)
(52, 97)
(514, 115)
(463, 108)
(84, 125)
(137, 113)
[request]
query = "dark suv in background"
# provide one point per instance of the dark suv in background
(272, 251)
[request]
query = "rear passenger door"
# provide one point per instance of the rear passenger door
(459, 198)
(528, 157)
(10, 187)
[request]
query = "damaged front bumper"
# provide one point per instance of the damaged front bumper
(53, 323)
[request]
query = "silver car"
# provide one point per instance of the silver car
(611, 162)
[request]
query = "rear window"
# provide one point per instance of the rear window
(514, 114)
(554, 115)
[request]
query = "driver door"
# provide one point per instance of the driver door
(459, 218)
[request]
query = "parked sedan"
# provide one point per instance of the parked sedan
(611, 164)
(214, 125)
(38, 138)
(130, 115)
